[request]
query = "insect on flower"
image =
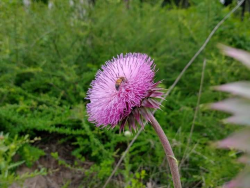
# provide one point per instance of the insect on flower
(118, 82)
(111, 105)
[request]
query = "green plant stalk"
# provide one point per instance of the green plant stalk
(168, 150)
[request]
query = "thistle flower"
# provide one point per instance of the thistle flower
(123, 91)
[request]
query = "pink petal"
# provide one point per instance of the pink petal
(242, 181)
(156, 94)
(155, 103)
(239, 140)
(137, 116)
(145, 114)
(131, 122)
(240, 55)
(232, 184)
(157, 89)
(146, 103)
(244, 159)
(236, 88)
(235, 106)
(123, 123)
(239, 119)
(156, 84)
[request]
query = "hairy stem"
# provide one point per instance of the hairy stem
(168, 150)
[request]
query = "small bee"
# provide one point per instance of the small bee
(118, 82)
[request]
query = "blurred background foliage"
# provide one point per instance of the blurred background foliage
(50, 52)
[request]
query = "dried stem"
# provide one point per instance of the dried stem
(172, 161)
(195, 115)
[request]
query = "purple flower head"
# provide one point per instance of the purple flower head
(122, 90)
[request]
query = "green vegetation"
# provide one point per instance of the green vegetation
(48, 57)
(8, 149)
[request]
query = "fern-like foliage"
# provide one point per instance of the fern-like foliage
(48, 57)
(8, 149)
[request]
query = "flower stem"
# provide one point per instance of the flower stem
(168, 150)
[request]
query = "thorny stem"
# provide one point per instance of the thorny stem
(168, 150)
